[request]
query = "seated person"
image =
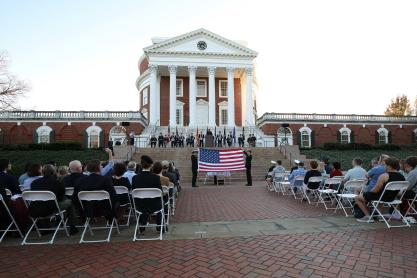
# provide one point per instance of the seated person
(119, 180)
(313, 172)
(7, 181)
(130, 173)
(410, 167)
(336, 171)
(392, 174)
(327, 168)
(76, 172)
(357, 172)
(95, 181)
(299, 172)
(157, 170)
(377, 170)
(106, 170)
(146, 179)
(166, 173)
(279, 169)
(34, 173)
(50, 182)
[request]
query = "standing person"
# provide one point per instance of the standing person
(248, 166)
(194, 167)
(132, 138)
(153, 141)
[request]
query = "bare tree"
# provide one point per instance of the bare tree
(10, 86)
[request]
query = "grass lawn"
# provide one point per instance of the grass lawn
(345, 157)
(20, 158)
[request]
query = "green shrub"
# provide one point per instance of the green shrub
(359, 146)
(56, 146)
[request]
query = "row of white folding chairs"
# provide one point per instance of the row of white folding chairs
(43, 196)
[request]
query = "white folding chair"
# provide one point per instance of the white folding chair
(13, 222)
(350, 190)
(328, 194)
(312, 188)
(43, 196)
(276, 182)
(165, 190)
(411, 209)
(69, 191)
(297, 187)
(401, 187)
(100, 195)
(139, 194)
(172, 198)
(124, 191)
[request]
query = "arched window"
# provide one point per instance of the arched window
(43, 134)
(382, 136)
(345, 135)
(117, 134)
(93, 137)
(284, 135)
(305, 137)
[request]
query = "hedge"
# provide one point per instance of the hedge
(360, 146)
(56, 146)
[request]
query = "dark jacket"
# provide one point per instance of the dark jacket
(309, 174)
(10, 182)
(194, 163)
(71, 180)
(50, 183)
(248, 161)
(146, 179)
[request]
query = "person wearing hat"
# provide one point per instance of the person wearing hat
(147, 179)
(194, 167)
(296, 162)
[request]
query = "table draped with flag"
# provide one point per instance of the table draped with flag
(231, 160)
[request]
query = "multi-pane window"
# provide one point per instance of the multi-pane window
(179, 87)
(305, 139)
(383, 137)
(145, 96)
(94, 139)
(223, 88)
(43, 137)
(201, 88)
(178, 116)
(223, 116)
(344, 137)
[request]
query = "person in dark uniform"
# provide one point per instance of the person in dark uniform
(194, 167)
(161, 140)
(153, 141)
(248, 166)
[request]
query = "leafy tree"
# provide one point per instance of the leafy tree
(399, 106)
(10, 86)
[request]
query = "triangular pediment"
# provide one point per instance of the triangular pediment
(200, 42)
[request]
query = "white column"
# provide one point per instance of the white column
(212, 96)
(192, 103)
(158, 100)
(152, 94)
(230, 97)
(172, 95)
(249, 97)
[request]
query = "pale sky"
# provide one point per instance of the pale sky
(314, 56)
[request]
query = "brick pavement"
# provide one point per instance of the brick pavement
(234, 203)
(378, 253)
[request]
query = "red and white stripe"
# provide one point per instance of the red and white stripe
(230, 160)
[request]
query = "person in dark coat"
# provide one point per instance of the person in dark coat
(161, 141)
(7, 181)
(194, 167)
(92, 182)
(76, 172)
(50, 182)
(147, 179)
(248, 166)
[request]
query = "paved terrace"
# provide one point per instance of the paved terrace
(231, 231)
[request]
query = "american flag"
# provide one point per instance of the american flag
(227, 160)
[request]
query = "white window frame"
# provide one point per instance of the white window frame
(40, 132)
(386, 132)
(348, 131)
(180, 92)
(91, 129)
(220, 88)
(205, 87)
(145, 96)
(179, 106)
(308, 130)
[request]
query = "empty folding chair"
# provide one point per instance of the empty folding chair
(124, 200)
(327, 194)
(397, 188)
(311, 190)
(411, 207)
(172, 198)
(350, 190)
(147, 201)
(4, 214)
(37, 203)
(97, 204)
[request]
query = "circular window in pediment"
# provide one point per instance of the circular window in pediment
(202, 45)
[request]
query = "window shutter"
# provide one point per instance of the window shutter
(299, 139)
(85, 139)
(376, 137)
(35, 137)
(352, 137)
(52, 136)
(339, 137)
(389, 137)
(101, 138)
(312, 139)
